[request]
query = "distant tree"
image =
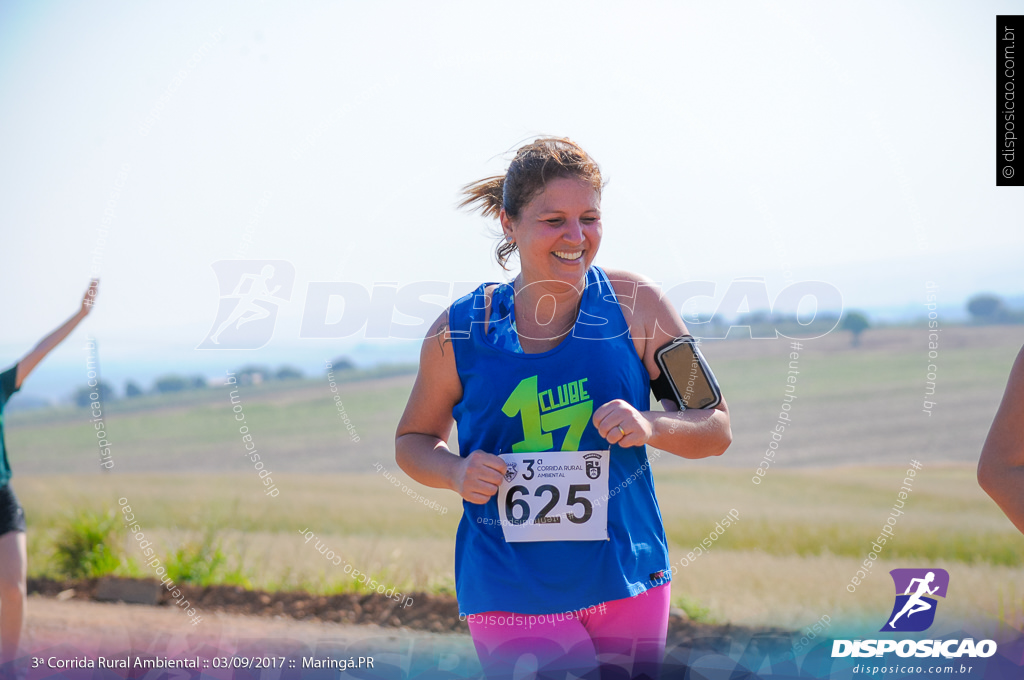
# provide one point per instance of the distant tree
(986, 308)
(288, 373)
(343, 364)
(856, 323)
(171, 383)
(826, 317)
(253, 374)
(197, 382)
(780, 319)
(87, 395)
(756, 317)
(132, 390)
(26, 402)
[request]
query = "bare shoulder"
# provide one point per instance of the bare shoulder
(438, 334)
(626, 279)
(640, 294)
(437, 387)
(437, 355)
(653, 319)
(440, 330)
(627, 286)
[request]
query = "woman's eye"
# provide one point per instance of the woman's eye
(554, 221)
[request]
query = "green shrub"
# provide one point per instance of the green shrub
(86, 545)
(694, 609)
(198, 562)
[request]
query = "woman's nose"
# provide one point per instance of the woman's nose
(573, 231)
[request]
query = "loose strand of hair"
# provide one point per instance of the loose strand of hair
(504, 252)
(485, 196)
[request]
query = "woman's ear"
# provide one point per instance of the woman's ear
(506, 226)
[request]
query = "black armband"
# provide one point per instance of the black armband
(686, 378)
(661, 387)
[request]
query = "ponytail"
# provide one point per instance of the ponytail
(487, 196)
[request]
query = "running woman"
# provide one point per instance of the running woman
(559, 361)
(13, 560)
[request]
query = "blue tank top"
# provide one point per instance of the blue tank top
(554, 576)
(501, 329)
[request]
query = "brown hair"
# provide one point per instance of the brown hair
(532, 168)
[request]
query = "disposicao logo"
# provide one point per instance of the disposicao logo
(250, 293)
(914, 610)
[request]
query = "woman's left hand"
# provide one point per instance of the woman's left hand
(621, 424)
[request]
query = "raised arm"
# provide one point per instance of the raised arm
(694, 433)
(30, 360)
(1001, 467)
(421, 441)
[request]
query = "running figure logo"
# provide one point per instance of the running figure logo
(914, 610)
(250, 293)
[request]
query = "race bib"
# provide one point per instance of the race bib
(550, 496)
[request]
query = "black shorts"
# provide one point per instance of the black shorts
(12, 515)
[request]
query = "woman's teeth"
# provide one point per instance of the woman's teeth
(569, 256)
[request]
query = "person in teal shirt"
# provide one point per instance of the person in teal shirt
(13, 559)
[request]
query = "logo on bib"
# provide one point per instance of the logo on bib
(593, 465)
(510, 471)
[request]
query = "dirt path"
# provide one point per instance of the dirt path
(111, 628)
(75, 628)
(236, 628)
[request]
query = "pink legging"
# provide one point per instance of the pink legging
(618, 639)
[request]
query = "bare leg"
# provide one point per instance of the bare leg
(13, 568)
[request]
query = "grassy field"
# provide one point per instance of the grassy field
(854, 406)
(865, 405)
(786, 562)
(295, 424)
(801, 536)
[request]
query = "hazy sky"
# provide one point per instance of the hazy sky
(849, 142)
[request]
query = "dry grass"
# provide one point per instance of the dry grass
(801, 534)
(755, 588)
(787, 561)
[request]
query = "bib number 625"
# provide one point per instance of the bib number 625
(512, 504)
(552, 496)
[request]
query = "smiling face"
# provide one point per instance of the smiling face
(558, 232)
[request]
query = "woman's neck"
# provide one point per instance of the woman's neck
(546, 309)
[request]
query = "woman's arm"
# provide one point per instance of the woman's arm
(694, 433)
(1001, 467)
(421, 447)
(32, 359)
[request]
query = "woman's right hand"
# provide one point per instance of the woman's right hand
(478, 476)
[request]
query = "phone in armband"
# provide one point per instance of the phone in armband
(689, 375)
